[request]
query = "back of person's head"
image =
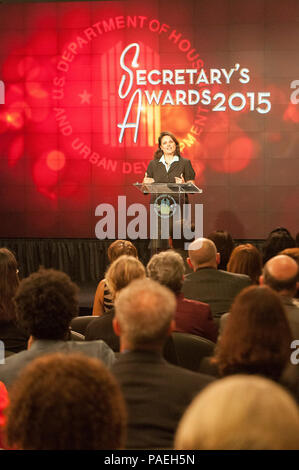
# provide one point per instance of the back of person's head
(121, 247)
(122, 271)
(292, 252)
(9, 281)
(279, 239)
(240, 413)
(46, 302)
(257, 337)
(66, 402)
(167, 268)
(281, 273)
(144, 312)
(246, 259)
(224, 244)
(297, 239)
(203, 252)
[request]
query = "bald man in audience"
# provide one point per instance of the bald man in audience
(281, 273)
(208, 284)
(156, 392)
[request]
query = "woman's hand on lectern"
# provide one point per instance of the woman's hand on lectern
(147, 180)
(179, 180)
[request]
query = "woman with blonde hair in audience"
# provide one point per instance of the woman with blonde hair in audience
(14, 339)
(246, 259)
(240, 413)
(103, 301)
(120, 273)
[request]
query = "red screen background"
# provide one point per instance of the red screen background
(60, 155)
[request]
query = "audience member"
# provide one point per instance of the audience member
(155, 391)
(13, 337)
(240, 413)
(256, 338)
(293, 253)
(120, 273)
(46, 302)
(224, 244)
(66, 402)
(103, 301)
(191, 316)
(207, 284)
(279, 239)
(281, 273)
(246, 259)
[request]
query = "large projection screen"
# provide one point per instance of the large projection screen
(222, 76)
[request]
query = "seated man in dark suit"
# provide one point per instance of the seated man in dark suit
(281, 273)
(156, 392)
(191, 316)
(46, 302)
(215, 287)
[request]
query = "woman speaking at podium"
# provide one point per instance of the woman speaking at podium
(168, 166)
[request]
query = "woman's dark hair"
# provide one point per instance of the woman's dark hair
(66, 402)
(246, 259)
(224, 244)
(257, 337)
(159, 152)
(9, 281)
(279, 239)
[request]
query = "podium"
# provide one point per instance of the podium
(167, 188)
(168, 207)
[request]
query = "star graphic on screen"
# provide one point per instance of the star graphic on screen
(85, 97)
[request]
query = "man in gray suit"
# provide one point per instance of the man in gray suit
(208, 284)
(46, 302)
(281, 273)
(156, 392)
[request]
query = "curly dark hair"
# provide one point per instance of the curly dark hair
(46, 302)
(158, 153)
(66, 402)
(9, 281)
(257, 337)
